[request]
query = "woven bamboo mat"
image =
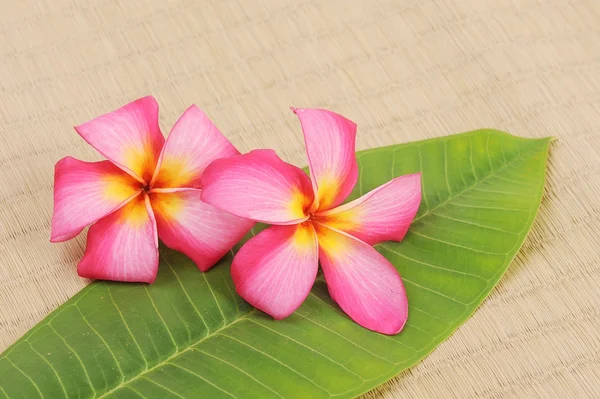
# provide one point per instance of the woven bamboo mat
(402, 69)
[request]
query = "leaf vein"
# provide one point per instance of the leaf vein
(434, 291)
(471, 159)
(477, 181)
(308, 347)
(428, 264)
(474, 224)
(428, 314)
(161, 319)
(137, 392)
(487, 152)
(446, 168)
(456, 245)
(216, 301)
(76, 355)
(177, 353)
(393, 163)
(237, 368)
(346, 316)
(60, 381)
(103, 341)
(513, 181)
(422, 180)
(202, 378)
(37, 388)
(127, 327)
(502, 192)
(343, 337)
(163, 387)
(488, 207)
(185, 292)
(276, 360)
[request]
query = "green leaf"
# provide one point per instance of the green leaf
(189, 335)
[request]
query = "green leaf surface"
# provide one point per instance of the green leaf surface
(190, 336)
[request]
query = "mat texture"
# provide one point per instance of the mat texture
(403, 70)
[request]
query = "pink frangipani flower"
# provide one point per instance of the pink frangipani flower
(275, 270)
(148, 188)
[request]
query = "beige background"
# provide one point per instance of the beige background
(402, 69)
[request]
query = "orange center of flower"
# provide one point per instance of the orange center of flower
(315, 218)
(167, 204)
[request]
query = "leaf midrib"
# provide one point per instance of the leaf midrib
(523, 149)
(244, 316)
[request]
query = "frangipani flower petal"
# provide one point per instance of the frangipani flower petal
(123, 246)
(330, 143)
(129, 137)
(380, 215)
(199, 230)
(275, 270)
(194, 142)
(258, 186)
(365, 285)
(85, 192)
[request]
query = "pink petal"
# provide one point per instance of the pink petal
(194, 142)
(258, 186)
(330, 142)
(201, 231)
(129, 137)
(275, 270)
(380, 215)
(365, 285)
(85, 192)
(123, 246)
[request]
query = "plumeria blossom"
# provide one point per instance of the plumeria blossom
(148, 189)
(275, 270)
